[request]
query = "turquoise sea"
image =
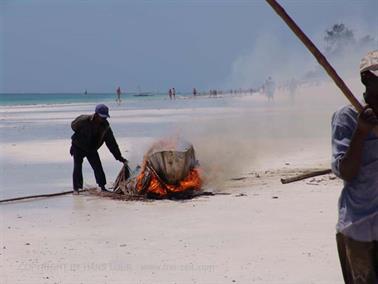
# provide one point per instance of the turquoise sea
(7, 99)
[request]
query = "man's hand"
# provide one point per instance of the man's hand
(122, 160)
(125, 167)
(367, 120)
(350, 164)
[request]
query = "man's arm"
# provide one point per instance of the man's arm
(112, 145)
(351, 162)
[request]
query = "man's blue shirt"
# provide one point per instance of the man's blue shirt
(358, 203)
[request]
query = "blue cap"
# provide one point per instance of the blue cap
(102, 110)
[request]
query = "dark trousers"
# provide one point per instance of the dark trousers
(95, 162)
(359, 260)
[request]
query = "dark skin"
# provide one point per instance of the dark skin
(367, 120)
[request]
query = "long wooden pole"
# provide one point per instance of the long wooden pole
(38, 196)
(305, 175)
(317, 54)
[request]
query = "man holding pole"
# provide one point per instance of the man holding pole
(355, 160)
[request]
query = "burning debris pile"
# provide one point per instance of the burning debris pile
(169, 169)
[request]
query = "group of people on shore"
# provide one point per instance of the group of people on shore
(172, 94)
(268, 89)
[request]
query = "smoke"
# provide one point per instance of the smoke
(285, 60)
(268, 57)
(233, 146)
(251, 134)
(221, 151)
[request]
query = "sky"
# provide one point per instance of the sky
(72, 45)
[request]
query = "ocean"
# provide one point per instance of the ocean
(35, 133)
(8, 99)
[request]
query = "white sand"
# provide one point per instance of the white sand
(261, 232)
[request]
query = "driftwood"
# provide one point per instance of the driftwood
(306, 175)
(38, 196)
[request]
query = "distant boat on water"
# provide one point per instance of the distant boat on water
(142, 94)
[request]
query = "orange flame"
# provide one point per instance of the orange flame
(158, 188)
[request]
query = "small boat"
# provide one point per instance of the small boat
(142, 94)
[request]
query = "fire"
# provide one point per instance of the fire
(157, 187)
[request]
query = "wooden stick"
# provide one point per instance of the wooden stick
(306, 175)
(316, 53)
(39, 196)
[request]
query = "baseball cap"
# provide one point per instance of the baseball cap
(102, 110)
(370, 62)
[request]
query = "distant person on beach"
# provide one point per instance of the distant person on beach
(213, 93)
(269, 88)
(293, 85)
(355, 160)
(194, 92)
(91, 131)
(118, 92)
(174, 93)
(170, 94)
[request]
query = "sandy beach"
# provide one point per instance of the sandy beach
(214, 104)
(254, 230)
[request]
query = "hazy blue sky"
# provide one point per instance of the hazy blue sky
(69, 46)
